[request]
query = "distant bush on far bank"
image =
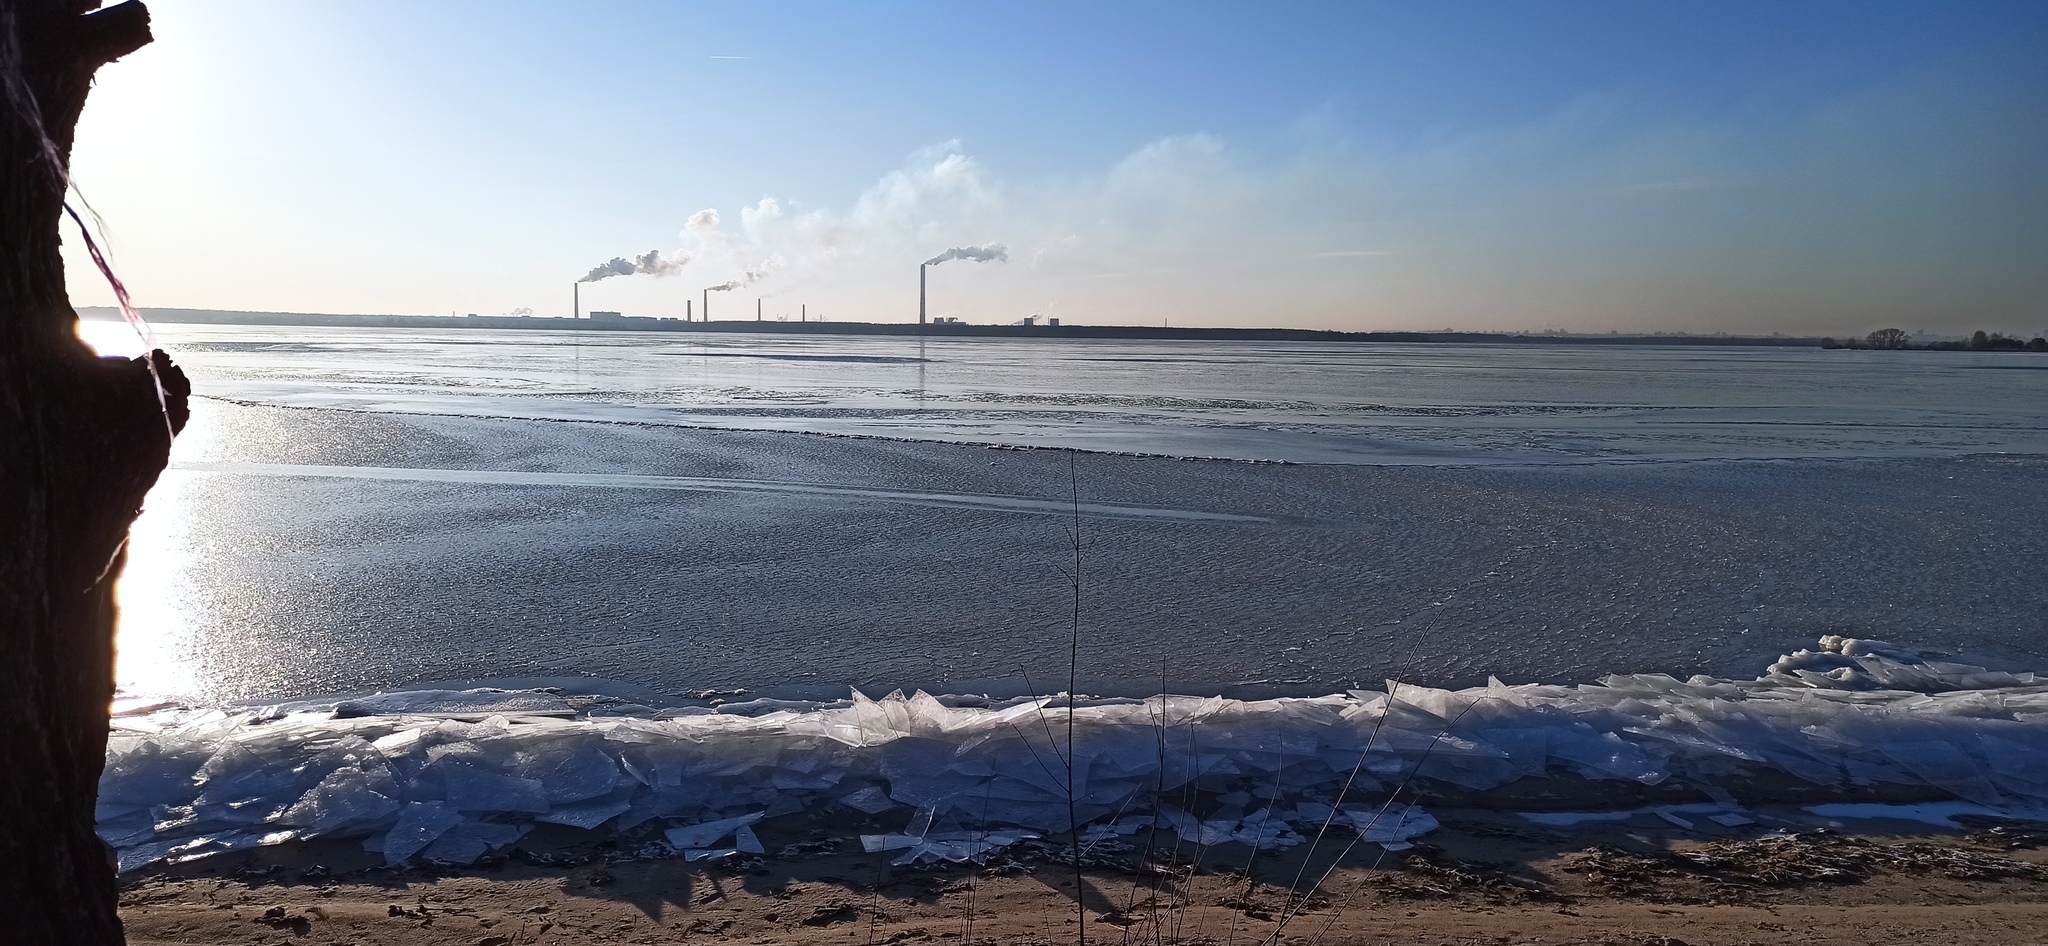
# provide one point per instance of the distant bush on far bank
(1896, 339)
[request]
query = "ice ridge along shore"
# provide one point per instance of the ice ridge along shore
(451, 776)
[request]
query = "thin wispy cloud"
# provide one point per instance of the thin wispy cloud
(1345, 254)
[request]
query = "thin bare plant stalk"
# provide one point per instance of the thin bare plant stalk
(1183, 895)
(974, 876)
(1393, 689)
(1330, 819)
(1073, 674)
(1050, 740)
(1296, 901)
(1151, 836)
(1258, 841)
(875, 899)
(1158, 793)
(1115, 817)
(1051, 775)
(1201, 845)
(1371, 739)
(1295, 907)
(1393, 796)
(1075, 834)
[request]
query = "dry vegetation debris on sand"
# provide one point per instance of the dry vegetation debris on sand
(1820, 857)
(1477, 884)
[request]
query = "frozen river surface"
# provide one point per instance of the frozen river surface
(1309, 403)
(357, 509)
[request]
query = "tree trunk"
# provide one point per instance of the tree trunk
(82, 439)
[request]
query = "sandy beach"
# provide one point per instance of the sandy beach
(1483, 879)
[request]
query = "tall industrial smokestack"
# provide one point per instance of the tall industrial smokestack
(757, 310)
(725, 286)
(576, 300)
(992, 253)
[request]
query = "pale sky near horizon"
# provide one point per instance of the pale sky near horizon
(1747, 167)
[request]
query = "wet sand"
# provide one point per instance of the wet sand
(1485, 878)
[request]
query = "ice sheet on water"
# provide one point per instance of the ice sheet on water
(445, 775)
(587, 814)
(871, 800)
(958, 847)
(478, 702)
(710, 832)
(1674, 815)
(471, 787)
(1265, 828)
(466, 842)
(1850, 664)
(575, 775)
(344, 797)
(419, 824)
(1390, 826)
(1940, 814)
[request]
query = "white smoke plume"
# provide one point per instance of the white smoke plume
(775, 246)
(751, 274)
(704, 226)
(649, 263)
(992, 253)
(617, 267)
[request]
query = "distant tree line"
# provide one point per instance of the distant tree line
(1897, 339)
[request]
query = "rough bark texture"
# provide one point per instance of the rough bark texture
(82, 439)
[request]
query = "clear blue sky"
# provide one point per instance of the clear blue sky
(1806, 166)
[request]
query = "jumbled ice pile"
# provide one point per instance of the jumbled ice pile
(451, 776)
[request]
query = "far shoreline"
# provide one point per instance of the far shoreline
(622, 323)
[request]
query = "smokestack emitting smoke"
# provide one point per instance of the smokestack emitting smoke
(748, 278)
(991, 253)
(726, 286)
(649, 263)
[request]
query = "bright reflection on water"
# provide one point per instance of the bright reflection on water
(159, 606)
(154, 645)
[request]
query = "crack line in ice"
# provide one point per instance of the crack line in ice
(982, 501)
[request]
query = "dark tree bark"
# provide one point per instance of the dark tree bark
(82, 439)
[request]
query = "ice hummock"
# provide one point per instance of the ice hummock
(451, 776)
